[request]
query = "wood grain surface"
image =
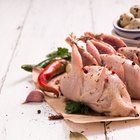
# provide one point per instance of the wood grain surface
(29, 29)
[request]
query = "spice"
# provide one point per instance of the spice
(56, 117)
(113, 72)
(106, 80)
(85, 70)
(133, 63)
(77, 136)
(38, 111)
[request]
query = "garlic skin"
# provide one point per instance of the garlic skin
(35, 96)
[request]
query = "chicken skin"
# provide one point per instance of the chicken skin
(97, 87)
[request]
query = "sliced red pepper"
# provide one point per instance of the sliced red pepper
(55, 68)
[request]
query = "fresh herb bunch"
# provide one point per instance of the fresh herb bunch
(77, 108)
(59, 53)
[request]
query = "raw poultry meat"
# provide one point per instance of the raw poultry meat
(111, 41)
(124, 62)
(100, 76)
(132, 53)
(96, 86)
(127, 70)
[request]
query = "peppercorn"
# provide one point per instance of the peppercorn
(133, 63)
(38, 111)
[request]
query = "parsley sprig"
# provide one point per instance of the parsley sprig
(73, 107)
(59, 53)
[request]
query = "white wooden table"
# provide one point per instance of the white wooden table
(29, 29)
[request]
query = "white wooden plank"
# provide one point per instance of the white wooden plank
(35, 126)
(47, 30)
(46, 27)
(127, 130)
(12, 15)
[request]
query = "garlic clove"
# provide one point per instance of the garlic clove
(35, 96)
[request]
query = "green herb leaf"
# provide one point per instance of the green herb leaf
(77, 136)
(77, 108)
(59, 53)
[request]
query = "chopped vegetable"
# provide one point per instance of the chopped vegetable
(60, 53)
